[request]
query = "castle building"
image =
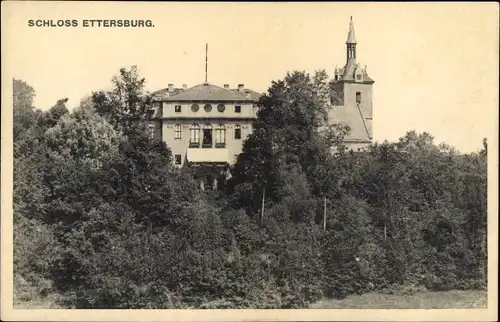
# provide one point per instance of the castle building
(205, 125)
(351, 97)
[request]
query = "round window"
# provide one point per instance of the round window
(208, 108)
(195, 107)
(221, 108)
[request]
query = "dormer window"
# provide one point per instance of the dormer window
(358, 77)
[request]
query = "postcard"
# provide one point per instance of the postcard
(227, 161)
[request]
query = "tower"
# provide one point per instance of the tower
(351, 42)
(351, 95)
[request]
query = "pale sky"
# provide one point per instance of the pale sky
(435, 65)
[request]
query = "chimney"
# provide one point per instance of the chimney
(184, 86)
(226, 86)
(241, 87)
(170, 87)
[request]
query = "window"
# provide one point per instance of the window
(151, 130)
(178, 159)
(195, 136)
(220, 136)
(221, 108)
(208, 108)
(237, 132)
(177, 108)
(195, 108)
(178, 131)
(358, 97)
(207, 136)
(358, 76)
(237, 109)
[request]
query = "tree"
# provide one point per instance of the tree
(75, 150)
(127, 104)
(289, 129)
(83, 135)
(23, 110)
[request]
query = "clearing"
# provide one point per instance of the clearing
(428, 300)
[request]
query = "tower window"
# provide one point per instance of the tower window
(237, 109)
(237, 132)
(178, 159)
(358, 97)
(177, 108)
(178, 131)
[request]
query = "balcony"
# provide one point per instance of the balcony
(220, 145)
(206, 145)
(194, 144)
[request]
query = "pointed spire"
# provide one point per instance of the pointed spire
(351, 38)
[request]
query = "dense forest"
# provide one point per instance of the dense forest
(104, 219)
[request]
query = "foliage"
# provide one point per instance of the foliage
(126, 105)
(103, 218)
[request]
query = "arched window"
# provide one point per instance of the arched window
(220, 136)
(207, 136)
(237, 132)
(178, 131)
(194, 140)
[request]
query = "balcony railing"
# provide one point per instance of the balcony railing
(206, 145)
(194, 144)
(220, 145)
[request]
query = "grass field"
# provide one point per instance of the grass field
(428, 300)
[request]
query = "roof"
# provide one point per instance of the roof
(253, 94)
(165, 92)
(348, 73)
(351, 37)
(209, 92)
(208, 155)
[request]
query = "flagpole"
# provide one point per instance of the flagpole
(206, 62)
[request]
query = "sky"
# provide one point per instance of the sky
(435, 65)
